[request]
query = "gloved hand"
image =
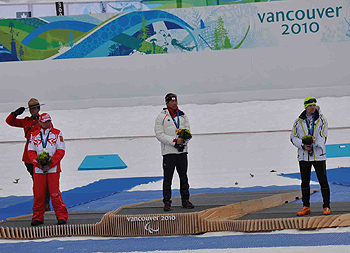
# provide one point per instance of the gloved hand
(179, 147)
(45, 168)
(19, 111)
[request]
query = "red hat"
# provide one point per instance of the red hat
(44, 117)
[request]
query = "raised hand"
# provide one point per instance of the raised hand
(19, 111)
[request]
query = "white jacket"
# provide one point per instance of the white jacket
(165, 131)
(320, 132)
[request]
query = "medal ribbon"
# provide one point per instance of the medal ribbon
(47, 138)
(313, 124)
(178, 120)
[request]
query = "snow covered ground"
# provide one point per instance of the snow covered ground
(215, 160)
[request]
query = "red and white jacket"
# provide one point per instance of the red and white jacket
(55, 147)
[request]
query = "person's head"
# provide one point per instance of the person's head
(171, 100)
(45, 120)
(310, 105)
(34, 107)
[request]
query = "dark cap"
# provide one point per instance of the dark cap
(169, 97)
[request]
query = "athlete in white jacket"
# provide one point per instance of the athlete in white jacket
(312, 122)
(174, 150)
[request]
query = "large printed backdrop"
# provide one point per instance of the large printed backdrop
(275, 24)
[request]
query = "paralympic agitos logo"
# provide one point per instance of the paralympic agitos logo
(150, 229)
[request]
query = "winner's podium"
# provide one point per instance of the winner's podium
(248, 212)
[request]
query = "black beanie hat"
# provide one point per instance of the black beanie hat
(169, 97)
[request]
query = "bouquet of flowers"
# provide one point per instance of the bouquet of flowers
(307, 140)
(184, 134)
(44, 159)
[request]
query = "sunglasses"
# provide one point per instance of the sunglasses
(171, 98)
(310, 101)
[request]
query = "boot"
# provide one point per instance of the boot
(167, 206)
(187, 204)
(36, 223)
(61, 222)
(326, 211)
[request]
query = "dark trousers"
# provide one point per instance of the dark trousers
(30, 169)
(305, 172)
(179, 161)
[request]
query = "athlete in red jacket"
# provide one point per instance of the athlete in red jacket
(47, 176)
(29, 124)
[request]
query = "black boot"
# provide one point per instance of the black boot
(36, 223)
(61, 222)
(167, 206)
(187, 204)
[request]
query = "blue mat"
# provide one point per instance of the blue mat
(102, 162)
(339, 176)
(338, 150)
(15, 206)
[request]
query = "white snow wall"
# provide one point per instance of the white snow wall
(296, 69)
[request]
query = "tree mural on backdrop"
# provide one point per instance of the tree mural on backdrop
(13, 42)
(221, 39)
(150, 47)
(227, 43)
(144, 31)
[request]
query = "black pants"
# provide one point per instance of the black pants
(305, 172)
(30, 169)
(179, 161)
